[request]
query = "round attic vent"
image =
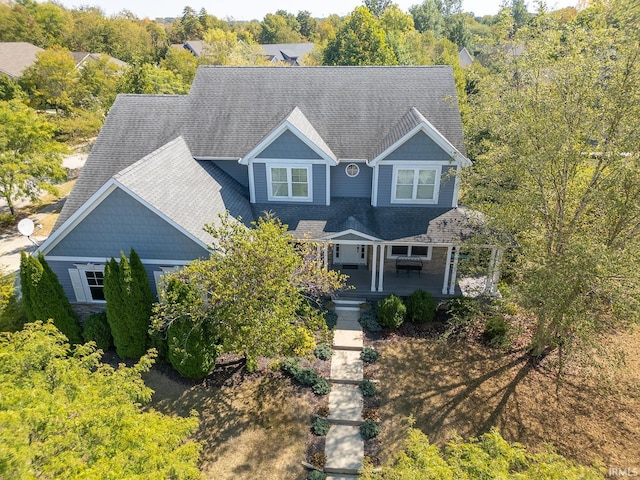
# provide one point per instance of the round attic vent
(352, 170)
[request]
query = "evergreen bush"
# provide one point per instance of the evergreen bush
(370, 429)
(306, 376)
(496, 332)
(368, 321)
(368, 388)
(316, 475)
(96, 329)
(368, 355)
(391, 311)
(421, 307)
(192, 348)
(321, 386)
(44, 298)
(320, 426)
(323, 351)
(330, 318)
(291, 366)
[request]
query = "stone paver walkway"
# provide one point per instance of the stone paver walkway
(344, 446)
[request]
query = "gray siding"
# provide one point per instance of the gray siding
(445, 197)
(318, 175)
(240, 173)
(61, 269)
(120, 223)
(344, 186)
(419, 147)
(288, 145)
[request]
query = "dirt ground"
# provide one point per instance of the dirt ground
(251, 425)
(466, 388)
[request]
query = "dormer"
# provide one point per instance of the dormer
(416, 165)
(291, 164)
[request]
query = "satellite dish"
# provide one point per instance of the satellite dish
(26, 227)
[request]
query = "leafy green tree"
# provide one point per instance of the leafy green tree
(223, 47)
(44, 297)
(308, 25)
(254, 291)
(149, 79)
(181, 62)
(12, 314)
(69, 415)
(427, 16)
(30, 160)
(278, 29)
(360, 41)
(97, 82)
(489, 456)
(557, 170)
(9, 89)
(51, 80)
(129, 302)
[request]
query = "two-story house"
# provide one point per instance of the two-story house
(362, 160)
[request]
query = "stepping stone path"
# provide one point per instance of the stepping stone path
(344, 446)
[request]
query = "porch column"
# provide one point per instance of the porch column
(492, 262)
(496, 271)
(318, 255)
(454, 271)
(374, 261)
(447, 269)
(381, 274)
(326, 256)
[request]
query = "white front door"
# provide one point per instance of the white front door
(351, 254)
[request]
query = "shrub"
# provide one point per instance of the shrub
(370, 429)
(291, 366)
(391, 311)
(321, 386)
(368, 388)
(331, 318)
(306, 376)
(320, 426)
(368, 321)
(496, 332)
(323, 351)
(192, 348)
(316, 475)
(421, 307)
(96, 329)
(369, 355)
(7, 220)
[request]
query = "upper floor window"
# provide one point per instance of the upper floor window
(289, 183)
(92, 281)
(415, 185)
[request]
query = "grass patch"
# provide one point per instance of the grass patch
(255, 426)
(464, 387)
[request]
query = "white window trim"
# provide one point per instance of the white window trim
(409, 251)
(82, 269)
(416, 166)
(290, 198)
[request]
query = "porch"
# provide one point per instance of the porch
(401, 283)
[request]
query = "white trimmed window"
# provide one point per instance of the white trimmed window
(88, 283)
(422, 251)
(415, 185)
(289, 183)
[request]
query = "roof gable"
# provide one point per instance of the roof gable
(16, 57)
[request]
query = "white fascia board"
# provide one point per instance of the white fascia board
(162, 215)
(269, 139)
(434, 135)
(234, 159)
(102, 260)
(80, 214)
(351, 231)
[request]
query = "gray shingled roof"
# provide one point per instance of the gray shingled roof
(287, 52)
(16, 57)
(191, 193)
(230, 110)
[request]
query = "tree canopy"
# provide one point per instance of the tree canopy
(554, 135)
(30, 160)
(65, 414)
(255, 292)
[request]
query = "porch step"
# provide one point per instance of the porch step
(352, 303)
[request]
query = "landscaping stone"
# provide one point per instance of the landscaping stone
(344, 449)
(346, 366)
(345, 404)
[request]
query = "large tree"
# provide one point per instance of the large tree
(30, 160)
(51, 80)
(64, 414)
(254, 292)
(558, 168)
(361, 40)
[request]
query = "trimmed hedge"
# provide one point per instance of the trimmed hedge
(320, 426)
(370, 429)
(391, 311)
(96, 329)
(421, 307)
(369, 355)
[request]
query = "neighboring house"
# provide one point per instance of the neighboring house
(362, 160)
(290, 53)
(82, 58)
(16, 57)
(466, 59)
